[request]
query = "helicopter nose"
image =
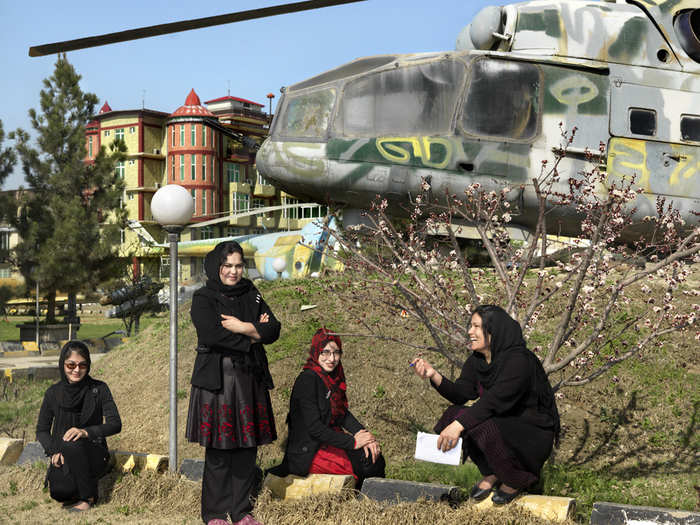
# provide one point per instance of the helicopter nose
(300, 168)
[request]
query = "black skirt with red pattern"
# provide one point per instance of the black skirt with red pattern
(237, 416)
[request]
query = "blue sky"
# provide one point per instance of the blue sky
(253, 58)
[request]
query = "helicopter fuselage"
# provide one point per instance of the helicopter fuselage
(381, 125)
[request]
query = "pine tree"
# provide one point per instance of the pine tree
(70, 216)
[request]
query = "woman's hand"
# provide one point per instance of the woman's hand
(372, 450)
(57, 459)
(74, 434)
(448, 438)
(425, 370)
(233, 324)
(363, 437)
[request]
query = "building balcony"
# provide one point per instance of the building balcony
(241, 221)
(288, 224)
(239, 187)
(264, 190)
(266, 222)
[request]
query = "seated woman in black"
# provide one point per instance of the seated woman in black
(509, 431)
(324, 436)
(76, 416)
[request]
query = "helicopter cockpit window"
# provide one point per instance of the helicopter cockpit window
(503, 100)
(307, 115)
(690, 127)
(412, 100)
(642, 121)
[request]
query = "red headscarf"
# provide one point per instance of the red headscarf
(335, 380)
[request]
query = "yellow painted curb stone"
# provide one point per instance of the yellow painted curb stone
(10, 450)
(8, 374)
(129, 461)
(30, 346)
(552, 508)
(296, 487)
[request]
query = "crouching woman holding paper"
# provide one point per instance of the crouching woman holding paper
(509, 431)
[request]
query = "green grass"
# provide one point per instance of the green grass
(89, 329)
(19, 403)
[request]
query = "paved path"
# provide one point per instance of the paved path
(38, 366)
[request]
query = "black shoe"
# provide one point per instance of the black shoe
(479, 494)
(501, 498)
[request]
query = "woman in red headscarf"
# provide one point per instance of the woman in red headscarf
(324, 436)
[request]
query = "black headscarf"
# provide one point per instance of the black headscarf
(71, 396)
(212, 265)
(506, 338)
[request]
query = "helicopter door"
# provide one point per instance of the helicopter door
(655, 139)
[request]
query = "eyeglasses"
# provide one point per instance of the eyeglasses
(327, 353)
(71, 366)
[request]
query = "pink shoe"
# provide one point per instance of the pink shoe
(217, 521)
(248, 520)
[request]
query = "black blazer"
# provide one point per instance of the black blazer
(215, 341)
(99, 410)
(308, 419)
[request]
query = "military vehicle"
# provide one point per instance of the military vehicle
(626, 74)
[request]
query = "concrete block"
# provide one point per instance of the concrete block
(10, 450)
(551, 508)
(112, 342)
(192, 469)
(130, 461)
(33, 452)
(605, 513)
(296, 487)
(11, 346)
(50, 348)
(395, 490)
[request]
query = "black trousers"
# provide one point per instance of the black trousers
(229, 477)
(84, 463)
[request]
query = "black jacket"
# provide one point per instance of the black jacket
(215, 341)
(308, 419)
(99, 411)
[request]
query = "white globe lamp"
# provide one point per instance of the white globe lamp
(279, 264)
(172, 205)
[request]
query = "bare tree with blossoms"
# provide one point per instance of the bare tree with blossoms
(578, 306)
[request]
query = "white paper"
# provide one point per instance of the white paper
(427, 450)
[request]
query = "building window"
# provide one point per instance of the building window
(172, 168)
(122, 235)
(172, 136)
(4, 241)
(259, 203)
(260, 179)
(119, 169)
(213, 172)
(213, 139)
(241, 202)
(193, 134)
(642, 121)
(182, 134)
(182, 167)
(233, 173)
(212, 209)
(132, 129)
(106, 133)
(206, 232)
(193, 167)
(204, 167)
(89, 146)
(204, 202)
(132, 162)
(194, 200)
(119, 134)
(233, 231)
(290, 213)
(204, 135)
(130, 197)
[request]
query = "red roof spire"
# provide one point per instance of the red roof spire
(192, 107)
(106, 108)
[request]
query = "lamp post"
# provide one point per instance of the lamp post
(172, 207)
(270, 96)
(279, 264)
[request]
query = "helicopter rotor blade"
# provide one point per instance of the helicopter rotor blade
(185, 25)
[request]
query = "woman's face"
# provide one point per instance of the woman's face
(329, 357)
(79, 365)
(232, 270)
(479, 341)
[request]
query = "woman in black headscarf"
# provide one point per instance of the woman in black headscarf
(76, 416)
(509, 431)
(230, 412)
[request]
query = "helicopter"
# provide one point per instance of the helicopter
(625, 73)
